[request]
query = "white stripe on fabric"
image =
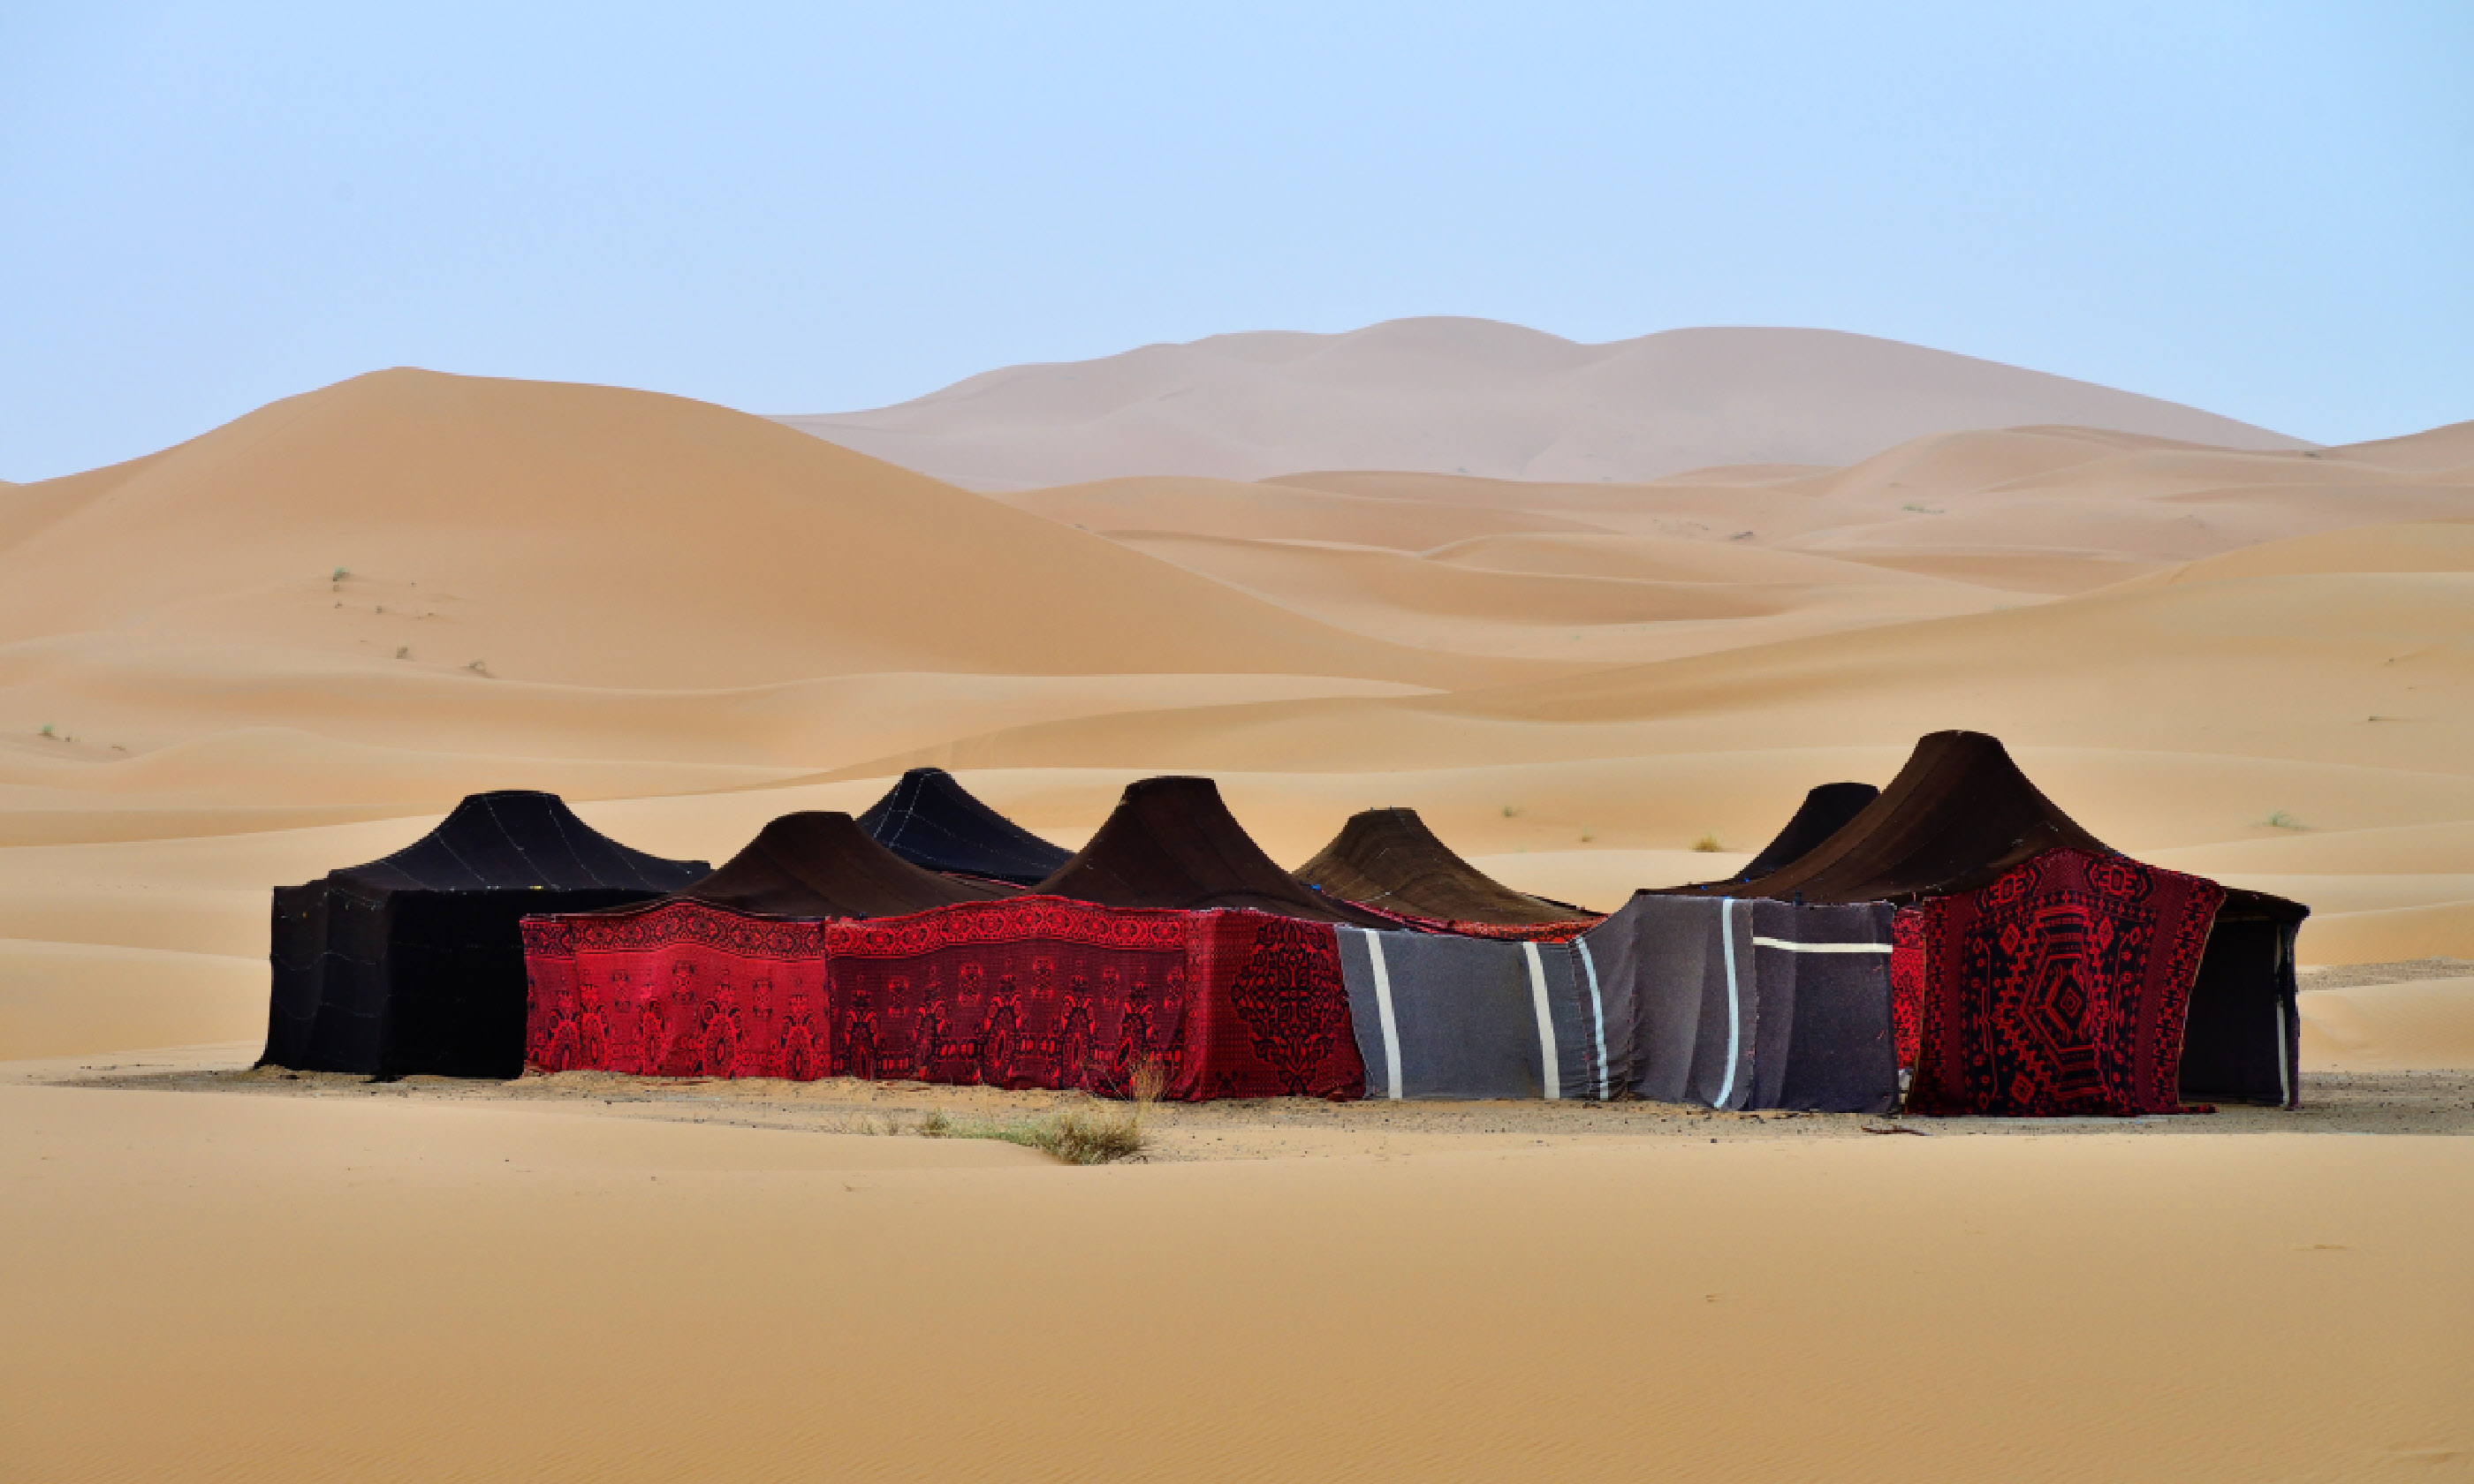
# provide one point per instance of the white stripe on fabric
(1553, 1080)
(1597, 1008)
(1383, 1013)
(1821, 947)
(2284, 1088)
(1734, 1011)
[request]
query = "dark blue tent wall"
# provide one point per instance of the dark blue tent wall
(414, 963)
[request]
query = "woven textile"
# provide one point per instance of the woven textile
(1907, 978)
(1733, 1004)
(2060, 990)
(1561, 931)
(679, 989)
(1028, 991)
(1462, 1017)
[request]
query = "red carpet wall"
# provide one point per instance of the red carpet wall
(2059, 990)
(1031, 992)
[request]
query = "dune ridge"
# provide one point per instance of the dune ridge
(1478, 397)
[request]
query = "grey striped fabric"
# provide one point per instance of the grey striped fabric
(1470, 1017)
(1728, 1003)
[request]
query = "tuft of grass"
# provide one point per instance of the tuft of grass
(1707, 845)
(1921, 510)
(403, 652)
(45, 729)
(1512, 811)
(340, 574)
(1087, 1134)
(2278, 818)
(479, 667)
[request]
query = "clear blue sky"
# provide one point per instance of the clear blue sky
(2264, 209)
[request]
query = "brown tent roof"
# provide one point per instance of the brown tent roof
(816, 865)
(1171, 843)
(1957, 816)
(1823, 812)
(1388, 858)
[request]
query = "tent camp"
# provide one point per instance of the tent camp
(415, 964)
(1171, 843)
(818, 864)
(934, 823)
(1960, 815)
(1388, 859)
(1823, 812)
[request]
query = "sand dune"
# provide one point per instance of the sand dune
(1475, 396)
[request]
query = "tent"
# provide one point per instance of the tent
(1960, 815)
(934, 823)
(1731, 1003)
(2059, 990)
(1171, 843)
(414, 963)
(1442, 1017)
(1025, 991)
(819, 865)
(1823, 812)
(1388, 859)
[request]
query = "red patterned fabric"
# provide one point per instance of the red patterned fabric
(1515, 932)
(1907, 980)
(1269, 1015)
(2060, 990)
(680, 988)
(1028, 991)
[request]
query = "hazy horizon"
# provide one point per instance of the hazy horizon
(2261, 214)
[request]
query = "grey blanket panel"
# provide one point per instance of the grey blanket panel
(1824, 1041)
(1677, 973)
(1463, 1017)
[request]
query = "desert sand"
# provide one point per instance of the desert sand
(292, 644)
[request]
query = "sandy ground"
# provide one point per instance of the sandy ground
(292, 644)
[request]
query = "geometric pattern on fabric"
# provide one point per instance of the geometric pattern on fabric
(1908, 979)
(2060, 990)
(1021, 992)
(1270, 1016)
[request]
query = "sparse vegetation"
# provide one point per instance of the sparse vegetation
(403, 652)
(341, 574)
(46, 730)
(2278, 818)
(1921, 510)
(1094, 1132)
(1588, 834)
(1707, 845)
(1512, 811)
(479, 667)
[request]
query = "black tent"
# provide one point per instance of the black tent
(1823, 812)
(1388, 858)
(815, 865)
(1960, 815)
(934, 823)
(413, 963)
(1173, 843)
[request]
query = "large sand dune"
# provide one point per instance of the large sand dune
(2249, 662)
(1475, 396)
